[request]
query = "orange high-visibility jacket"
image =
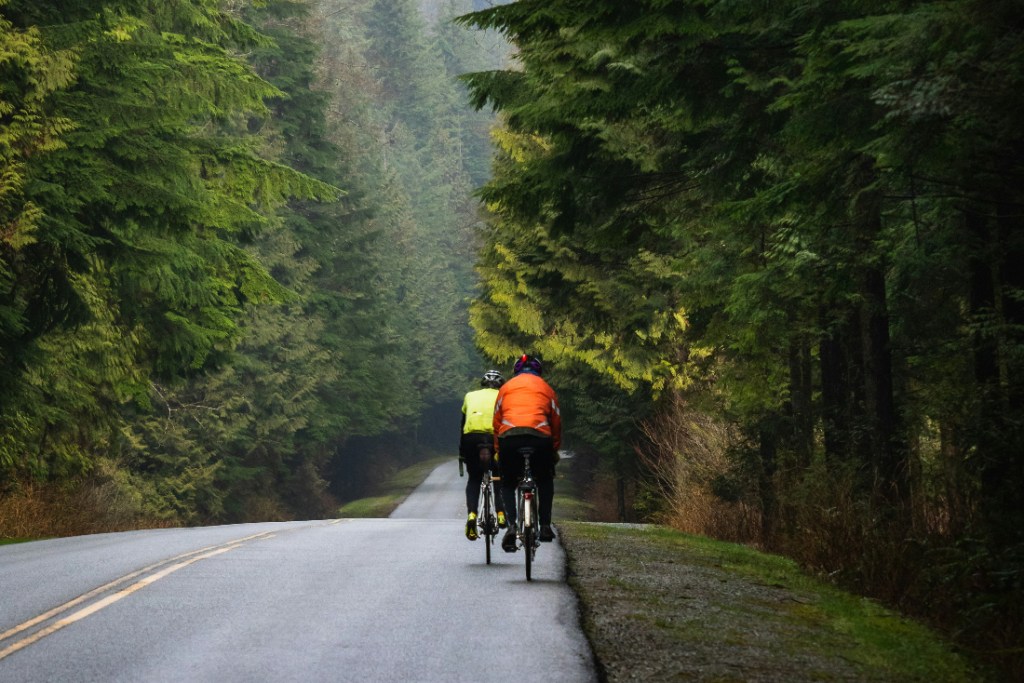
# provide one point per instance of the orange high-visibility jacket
(527, 401)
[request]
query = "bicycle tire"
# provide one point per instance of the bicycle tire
(536, 528)
(489, 531)
(529, 532)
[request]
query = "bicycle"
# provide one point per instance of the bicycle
(488, 521)
(526, 512)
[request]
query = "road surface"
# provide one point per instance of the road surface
(400, 599)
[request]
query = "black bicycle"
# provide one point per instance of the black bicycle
(488, 520)
(527, 526)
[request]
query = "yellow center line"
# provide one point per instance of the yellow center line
(194, 556)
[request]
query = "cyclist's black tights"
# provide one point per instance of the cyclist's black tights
(541, 464)
(469, 451)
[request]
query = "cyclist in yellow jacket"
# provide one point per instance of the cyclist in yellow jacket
(477, 431)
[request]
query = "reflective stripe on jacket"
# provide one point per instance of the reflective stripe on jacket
(527, 401)
(478, 407)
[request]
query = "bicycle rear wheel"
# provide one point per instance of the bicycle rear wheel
(489, 525)
(529, 533)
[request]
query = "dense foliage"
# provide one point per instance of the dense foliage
(230, 235)
(768, 250)
(799, 223)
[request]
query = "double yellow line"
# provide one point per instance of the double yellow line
(110, 593)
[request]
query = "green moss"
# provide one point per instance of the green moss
(618, 583)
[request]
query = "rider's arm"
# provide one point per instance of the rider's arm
(556, 422)
(496, 420)
(462, 424)
(462, 430)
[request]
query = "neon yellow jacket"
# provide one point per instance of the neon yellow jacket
(478, 408)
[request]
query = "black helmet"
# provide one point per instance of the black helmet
(492, 379)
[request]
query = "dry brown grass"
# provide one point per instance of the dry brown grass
(687, 452)
(35, 510)
(821, 520)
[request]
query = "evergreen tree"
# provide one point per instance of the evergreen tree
(30, 74)
(827, 192)
(143, 203)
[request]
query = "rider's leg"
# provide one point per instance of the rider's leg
(544, 473)
(508, 495)
(469, 450)
(546, 493)
(472, 491)
(511, 467)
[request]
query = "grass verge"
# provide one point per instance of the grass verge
(699, 609)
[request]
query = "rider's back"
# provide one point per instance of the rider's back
(528, 402)
(478, 408)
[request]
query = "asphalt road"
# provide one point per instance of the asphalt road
(400, 599)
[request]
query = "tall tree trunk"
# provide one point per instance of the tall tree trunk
(1011, 285)
(981, 302)
(1010, 296)
(834, 390)
(842, 389)
(888, 457)
(995, 285)
(951, 455)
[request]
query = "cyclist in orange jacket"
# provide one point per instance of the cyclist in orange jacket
(477, 414)
(526, 413)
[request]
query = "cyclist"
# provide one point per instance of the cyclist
(527, 414)
(477, 413)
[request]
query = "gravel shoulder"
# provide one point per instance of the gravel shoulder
(658, 605)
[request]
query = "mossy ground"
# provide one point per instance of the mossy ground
(661, 605)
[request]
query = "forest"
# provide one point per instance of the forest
(236, 244)
(252, 252)
(772, 252)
